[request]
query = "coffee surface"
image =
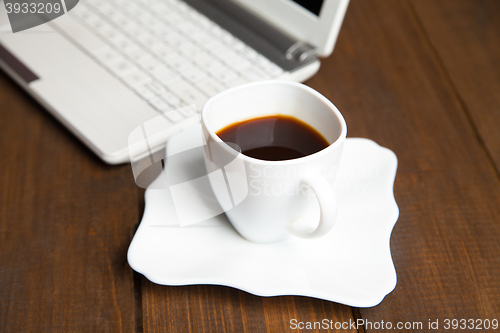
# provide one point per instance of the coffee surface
(274, 138)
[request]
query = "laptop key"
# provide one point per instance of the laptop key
(239, 63)
(122, 68)
(136, 79)
(209, 64)
(95, 22)
(174, 19)
(161, 50)
(191, 50)
(175, 39)
(124, 44)
(145, 18)
(273, 69)
(194, 75)
(189, 94)
(168, 77)
(104, 52)
(157, 88)
(236, 82)
(188, 111)
(255, 74)
(107, 31)
(132, 8)
(215, 29)
(224, 74)
(103, 6)
(159, 104)
(145, 93)
(119, 19)
(153, 66)
(204, 39)
(201, 20)
(194, 15)
(171, 98)
(229, 56)
(109, 58)
(261, 60)
(236, 44)
(188, 28)
(210, 87)
(182, 6)
(81, 12)
(157, 26)
(177, 62)
(249, 52)
(158, 7)
(148, 39)
(225, 54)
(138, 55)
(132, 28)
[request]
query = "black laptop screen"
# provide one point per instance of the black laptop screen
(313, 6)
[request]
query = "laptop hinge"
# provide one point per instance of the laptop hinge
(285, 51)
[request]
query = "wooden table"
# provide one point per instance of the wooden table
(421, 77)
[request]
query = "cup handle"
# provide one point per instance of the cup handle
(327, 206)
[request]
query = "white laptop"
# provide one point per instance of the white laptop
(106, 67)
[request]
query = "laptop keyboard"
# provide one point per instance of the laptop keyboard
(168, 53)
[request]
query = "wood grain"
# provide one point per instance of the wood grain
(466, 38)
(224, 309)
(420, 77)
(66, 220)
(385, 78)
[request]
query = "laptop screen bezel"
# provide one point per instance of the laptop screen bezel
(320, 31)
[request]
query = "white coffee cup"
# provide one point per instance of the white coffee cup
(271, 200)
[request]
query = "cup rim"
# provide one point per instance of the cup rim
(331, 147)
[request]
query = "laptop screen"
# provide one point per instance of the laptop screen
(315, 22)
(313, 6)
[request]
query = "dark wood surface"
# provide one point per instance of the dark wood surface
(420, 77)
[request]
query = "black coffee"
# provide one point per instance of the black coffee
(274, 138)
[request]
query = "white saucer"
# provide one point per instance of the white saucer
(351, 265)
